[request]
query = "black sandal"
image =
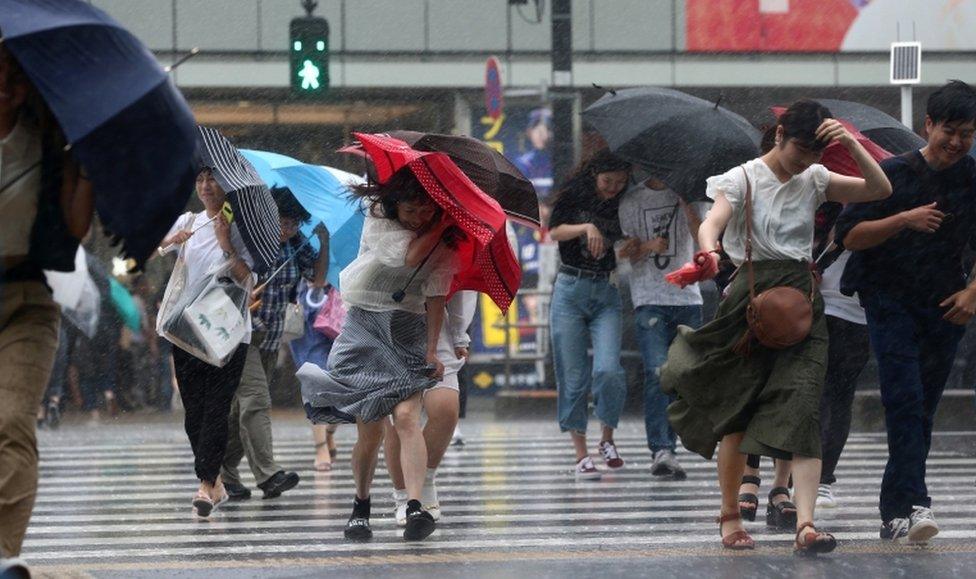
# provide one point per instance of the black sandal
(777, 515)
(749, 513)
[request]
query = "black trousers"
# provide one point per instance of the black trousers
(847, 355)
(207, 392)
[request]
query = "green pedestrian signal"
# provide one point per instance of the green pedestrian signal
(309, 56)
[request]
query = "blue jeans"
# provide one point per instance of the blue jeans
(915, 349)
(656, 327)
(584, 311)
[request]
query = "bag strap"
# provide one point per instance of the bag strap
(749, 269)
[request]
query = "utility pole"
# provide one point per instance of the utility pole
(561, 93)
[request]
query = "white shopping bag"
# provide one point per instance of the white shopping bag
(216, 321)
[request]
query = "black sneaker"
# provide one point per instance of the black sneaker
(52, 416)
(357, 528)
(420, 523)
(237, 492)
(895, 529)
(279, 482)
(13, 569)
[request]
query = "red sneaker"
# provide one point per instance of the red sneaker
(610, 455)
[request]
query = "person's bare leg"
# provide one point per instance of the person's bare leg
(365, 455)
(413, 449)
(806, 479)
(607, 434)
(579, 443)
(442, 406)
(321, 437)
(391, 453)
(731, 463)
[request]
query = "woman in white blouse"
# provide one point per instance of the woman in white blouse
(386, 354)
(766, 402)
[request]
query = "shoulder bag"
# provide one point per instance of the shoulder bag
(779, 317)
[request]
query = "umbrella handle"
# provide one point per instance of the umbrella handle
(399, 295)
(195, 229)
(309, 295)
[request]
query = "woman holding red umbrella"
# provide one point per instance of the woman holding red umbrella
(386, 355)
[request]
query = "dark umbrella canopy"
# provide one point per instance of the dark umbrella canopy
(877, 125)
(255, 212)
(679, 138)
(491, 171)
(127, 124)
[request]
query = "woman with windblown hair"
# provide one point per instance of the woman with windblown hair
(752, 399)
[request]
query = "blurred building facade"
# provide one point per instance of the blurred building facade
(421, 63)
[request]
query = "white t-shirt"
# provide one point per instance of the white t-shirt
(380, 270)
(647, 214)
(203, 250)
(782, 213)
(835, 303)
(19, 150)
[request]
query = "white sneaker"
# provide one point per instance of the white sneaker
(428, 498)
(400, 507)
(457, 439)
(586, 470)
(825, 497)
(921, 526)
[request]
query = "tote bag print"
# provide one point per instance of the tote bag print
(217, 322)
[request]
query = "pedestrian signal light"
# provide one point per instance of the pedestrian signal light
(309, 56)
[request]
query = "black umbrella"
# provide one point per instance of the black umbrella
(255, 211)
(678, 138)
(885, 130)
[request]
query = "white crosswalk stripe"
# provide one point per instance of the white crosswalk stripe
(121, 501)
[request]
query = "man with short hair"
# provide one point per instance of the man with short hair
(907, 268)
(661, 229)
(250, 415)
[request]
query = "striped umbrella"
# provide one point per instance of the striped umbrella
(255, 211)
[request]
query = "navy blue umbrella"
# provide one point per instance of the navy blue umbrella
(123, 118)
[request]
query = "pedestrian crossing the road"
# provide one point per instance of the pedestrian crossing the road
(108, 503)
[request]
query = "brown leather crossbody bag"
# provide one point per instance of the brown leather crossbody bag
(779, 317)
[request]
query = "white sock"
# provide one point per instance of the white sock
(429, 478)
(400, 495)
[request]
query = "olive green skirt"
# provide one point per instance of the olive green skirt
(772, 396)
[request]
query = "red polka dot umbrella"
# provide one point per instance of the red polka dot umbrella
(488, 264)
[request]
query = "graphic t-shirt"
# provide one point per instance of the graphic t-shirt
(647, 214)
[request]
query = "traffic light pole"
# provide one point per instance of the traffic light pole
(562, 94)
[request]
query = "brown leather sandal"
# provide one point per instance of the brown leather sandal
(821, 542)
(738, 540)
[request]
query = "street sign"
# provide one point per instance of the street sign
(309, 56)
(906, 63)
(906, 70)
(494, 100)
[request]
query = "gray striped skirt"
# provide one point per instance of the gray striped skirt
(377, 361)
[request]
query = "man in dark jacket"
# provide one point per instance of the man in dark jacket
(907, 268)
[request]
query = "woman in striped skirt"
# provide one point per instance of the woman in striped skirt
(386, 355)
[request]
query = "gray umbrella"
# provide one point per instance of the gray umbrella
(882, 128)
(678, 138)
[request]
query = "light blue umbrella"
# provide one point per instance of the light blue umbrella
(324, 196)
